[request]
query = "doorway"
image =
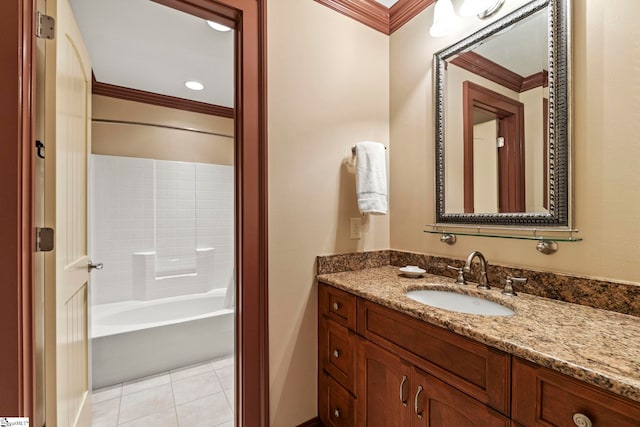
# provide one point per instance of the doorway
(251, 375)
(506, 116)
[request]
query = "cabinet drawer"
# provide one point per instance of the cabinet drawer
(337, 352)
(337, 305)
(474, 368)
(335, 404)
(543, 397)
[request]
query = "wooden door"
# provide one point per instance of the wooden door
(384, 388)
(67, 133)
(440, 405)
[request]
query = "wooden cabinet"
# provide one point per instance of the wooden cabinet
(476, 369)
(441, 405)
(336, 358)
(542, 397)
(391, 392)
(336, 405)
(381, 368)
(384, 388)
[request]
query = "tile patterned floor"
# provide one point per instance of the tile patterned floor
(196, 396)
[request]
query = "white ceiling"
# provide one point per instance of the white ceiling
(387, 3)
(522, 48)
(143, 45)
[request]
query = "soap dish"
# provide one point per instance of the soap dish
(412, 271)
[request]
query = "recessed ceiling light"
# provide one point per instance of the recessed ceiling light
(193, 85)
(218, 27)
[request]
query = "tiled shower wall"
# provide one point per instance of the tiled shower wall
(172, 208)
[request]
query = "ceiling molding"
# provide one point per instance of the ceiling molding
(367, 12)
(376, 15)
(136, 95)
(484, 67)
(488, 69)
(404, 11)
(535, 80)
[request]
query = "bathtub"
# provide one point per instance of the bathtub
(134, 339)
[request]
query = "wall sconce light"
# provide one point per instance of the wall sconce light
(445, 19)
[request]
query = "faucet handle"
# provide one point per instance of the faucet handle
(508, 285)
(460, 280)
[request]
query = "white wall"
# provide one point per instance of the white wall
(145, 205)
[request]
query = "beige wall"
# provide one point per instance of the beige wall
(160, 143)
(606, 84)
(328, 89)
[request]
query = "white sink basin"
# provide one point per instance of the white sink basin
(459, 302)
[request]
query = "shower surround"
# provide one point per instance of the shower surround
(165, 233)
(161, 228)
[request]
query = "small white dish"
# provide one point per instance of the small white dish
(412, 271)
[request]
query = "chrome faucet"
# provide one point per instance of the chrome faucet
(483, 280)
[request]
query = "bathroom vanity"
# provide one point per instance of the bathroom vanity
(386, 360)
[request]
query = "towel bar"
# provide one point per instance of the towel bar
(353, 149)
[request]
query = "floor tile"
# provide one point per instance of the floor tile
(190, 371)
(145, 402)
(206, 412)
(195, 387)
(166, 418)
(106, 393)
(145, 383)
(226, 424)
(226, 377)
(230, 397)
(223, 363)
(105, 413)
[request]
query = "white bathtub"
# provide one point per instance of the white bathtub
(134, 339)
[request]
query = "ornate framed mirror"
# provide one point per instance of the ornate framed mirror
(502, 120)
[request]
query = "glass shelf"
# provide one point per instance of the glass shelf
(507, 236)
(547, 238)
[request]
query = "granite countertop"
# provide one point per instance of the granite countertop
(596, 346)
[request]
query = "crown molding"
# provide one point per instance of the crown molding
(367, 12)
(490, 70)
(404, 11)
(376, 15)
(121, 92)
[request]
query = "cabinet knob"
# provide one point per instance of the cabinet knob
(581, 420)
(336, 353)
(336, 306)
(337, 413)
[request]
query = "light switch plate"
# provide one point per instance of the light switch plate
(356, 228)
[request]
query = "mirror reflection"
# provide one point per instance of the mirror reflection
(496, 96)
(502, 119)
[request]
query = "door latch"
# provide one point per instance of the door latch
(44, 239)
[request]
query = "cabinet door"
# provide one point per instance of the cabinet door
(440, 405)
(383, 388)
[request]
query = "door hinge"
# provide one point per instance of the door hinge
(44, 239)
(45, 26)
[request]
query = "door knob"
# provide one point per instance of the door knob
(96, 266)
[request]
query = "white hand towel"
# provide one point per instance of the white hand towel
(371, 177)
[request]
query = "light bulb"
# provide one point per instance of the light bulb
(444, 18)
(475, 7)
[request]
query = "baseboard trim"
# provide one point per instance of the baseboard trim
(314, 422)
